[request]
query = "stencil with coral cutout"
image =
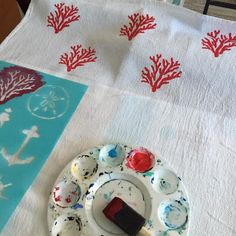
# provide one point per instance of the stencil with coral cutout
(16, 81)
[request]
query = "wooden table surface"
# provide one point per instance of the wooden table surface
(9, 17)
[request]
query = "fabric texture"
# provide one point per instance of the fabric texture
(181, 106)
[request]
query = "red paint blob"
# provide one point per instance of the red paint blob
(68, 199)
(140, 160)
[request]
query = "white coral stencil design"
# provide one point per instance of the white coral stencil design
(16, 81)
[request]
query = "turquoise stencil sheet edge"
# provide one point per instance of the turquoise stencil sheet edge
(30, 126)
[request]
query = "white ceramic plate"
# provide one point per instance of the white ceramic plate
(91, 180)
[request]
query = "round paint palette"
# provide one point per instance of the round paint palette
(93, 178)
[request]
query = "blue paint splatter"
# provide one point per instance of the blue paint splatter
(77, 206)
(112, 153)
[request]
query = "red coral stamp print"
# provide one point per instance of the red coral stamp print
(78, 57)
(161, 72)
(218, 43)
(62, 16)
(138, 24)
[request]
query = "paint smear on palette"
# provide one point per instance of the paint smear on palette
(32, 106)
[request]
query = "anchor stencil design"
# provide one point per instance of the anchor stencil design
(15, 159)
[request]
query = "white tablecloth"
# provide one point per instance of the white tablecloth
(189, 122)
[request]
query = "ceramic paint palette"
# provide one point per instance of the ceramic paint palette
(135, 175)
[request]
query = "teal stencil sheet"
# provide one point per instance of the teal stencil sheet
(30, 125)
(176, 2)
